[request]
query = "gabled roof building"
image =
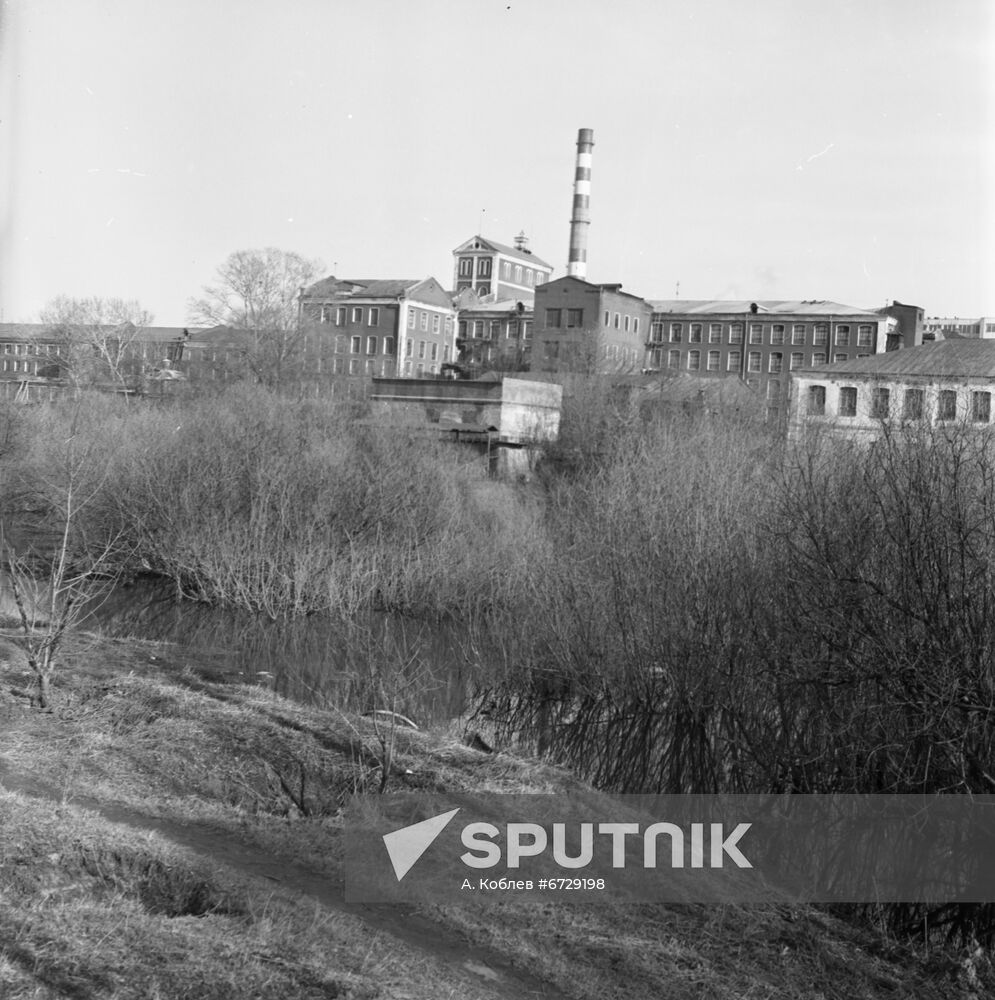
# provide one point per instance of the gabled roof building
(944, 382)
(383, 327)
(497, 271)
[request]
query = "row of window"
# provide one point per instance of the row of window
(515, 273)
(356, 345)
(775, 334)
(573, 317)
(339, 315)
(754, 360)
(913, 404)
(426, 349)
(31, 348)
(491, 329)
(419, 319)
(620, 322)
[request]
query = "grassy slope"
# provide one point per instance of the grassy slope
(94, 908)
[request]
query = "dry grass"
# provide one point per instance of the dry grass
(93, 908)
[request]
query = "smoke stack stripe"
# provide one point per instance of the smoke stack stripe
(581, 217)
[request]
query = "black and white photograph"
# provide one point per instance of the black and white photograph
(497, 500)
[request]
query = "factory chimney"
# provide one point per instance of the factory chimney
(581, 218)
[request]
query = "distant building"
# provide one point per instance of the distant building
(588, 328)
(496, 271)
(382, 327)
(944, 327)
(763, 342)
(945, 382)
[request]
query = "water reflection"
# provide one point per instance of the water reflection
(356, 664)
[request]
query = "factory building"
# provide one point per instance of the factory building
(382, 327)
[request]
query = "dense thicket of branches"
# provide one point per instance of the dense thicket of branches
(690, 605)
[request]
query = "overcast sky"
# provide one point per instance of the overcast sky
(817, 149)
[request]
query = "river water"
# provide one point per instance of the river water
(367, 662)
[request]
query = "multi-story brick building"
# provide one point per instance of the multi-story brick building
(589, 328)
(383, 327)
(763, 342)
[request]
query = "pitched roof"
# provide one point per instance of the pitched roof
(797, 307)
(524, 255)
(372, 287)
(941, 358)
(43, 331)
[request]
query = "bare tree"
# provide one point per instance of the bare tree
(56, 589)
(256, 294)
(96, 339)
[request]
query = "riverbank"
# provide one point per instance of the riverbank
(162, 835)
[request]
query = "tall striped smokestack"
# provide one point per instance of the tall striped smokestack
(581, 218)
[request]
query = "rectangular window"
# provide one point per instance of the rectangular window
(912, 404)
(340, 344)
(798, 334)
(408, 346)
(338, 366)
(635, 325)
(715, 333)
(553, 318)
(816, 400)
(673, 359)
(340, 316)
(466, 267)
(880, 403)
(423, 318)
(371, 366)
(484, 267)
(616, 321)
(357, 314)
(797, 360)
(776, 363)
(839, 357)
(676, 333)
(356, 345)
(462, 328)
(694, 337)
(435, 351)
(608, 317)
(478, 328)
(842, 336)
(735, 333)
(656, 331)
(436, 322)
(626, 323)
(575, 317)
(518, 274)
(354, 366)
(777, 334)
(526, 329)
(820, 336)
(371, 345)
(389, 346)
(947, 408)
(374, 316)
(865, 336)
(733, 361)
(449, 325)
(981, 407)
(421, 349)
(756, 333)
(411, 319)
(773, 389)
(848, 401)
(495, 333)
(819, 358)
(753, 361)
(694, 361)
(714, 360)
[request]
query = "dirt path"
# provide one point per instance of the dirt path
(487, 971)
